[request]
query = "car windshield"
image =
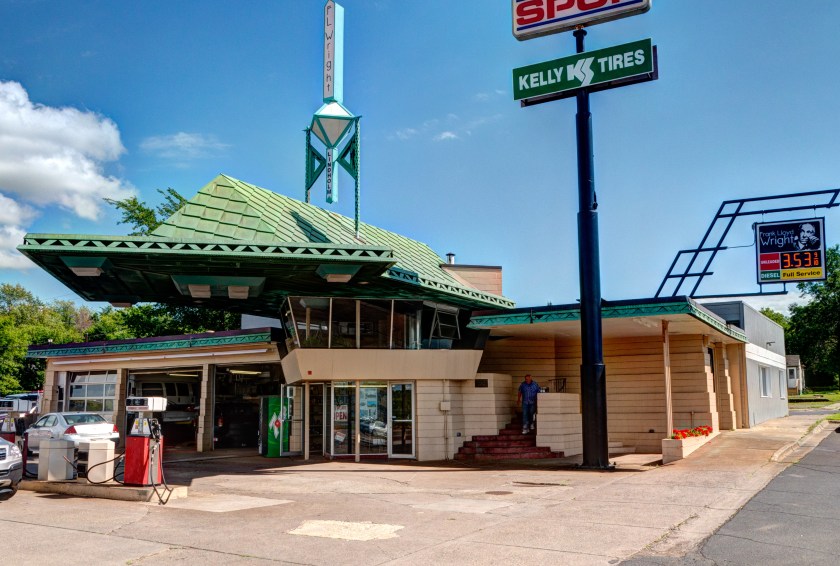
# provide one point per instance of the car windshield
(83, 419)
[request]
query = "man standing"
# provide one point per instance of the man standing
(528, 391)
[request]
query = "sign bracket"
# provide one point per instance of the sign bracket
(729, 211)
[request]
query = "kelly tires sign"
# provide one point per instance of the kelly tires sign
(790, 251)
(597, 70)
(533, 18)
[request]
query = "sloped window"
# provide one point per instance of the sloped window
(445, 324)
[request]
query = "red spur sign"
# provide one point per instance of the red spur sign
(534, 18)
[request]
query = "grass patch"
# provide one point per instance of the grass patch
(814, 400)
(834, 417)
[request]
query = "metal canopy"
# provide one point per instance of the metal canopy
(241, 248)
(638, 317)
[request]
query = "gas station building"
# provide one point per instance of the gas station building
(375, 345)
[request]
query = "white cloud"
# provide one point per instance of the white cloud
(406, 133)
(450, 127)
(183, 145)
(15, 214)
(443, 136)
(55, 155)
(51, 156)
(10, 238)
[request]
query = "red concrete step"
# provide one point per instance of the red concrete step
(519, 437)
(525, 441)
(518, 456)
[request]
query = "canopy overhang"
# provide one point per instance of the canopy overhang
(240, 276)
(620, 319)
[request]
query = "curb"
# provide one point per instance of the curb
(109, 491)
(785, 450)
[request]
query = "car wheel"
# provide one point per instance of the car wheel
(8, 492)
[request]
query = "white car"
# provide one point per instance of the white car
(11, 469)
(78, 427)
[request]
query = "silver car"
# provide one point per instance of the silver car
(11, 468)
(78, 427)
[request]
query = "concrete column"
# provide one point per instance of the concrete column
(723, 389)
(204, 438)
(49, 402)
(306, 421)
(358, 442)
(119, 404)
(666, 358)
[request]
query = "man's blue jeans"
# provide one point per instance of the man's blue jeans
(528, 410)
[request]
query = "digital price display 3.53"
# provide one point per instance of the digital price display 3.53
(790, 251)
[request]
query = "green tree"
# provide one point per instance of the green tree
(143, 218)
(814, 331)
(776, 317)
(26, 320)
(156, 319)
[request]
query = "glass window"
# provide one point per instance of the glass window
(344, 418)
(406, 325)
(95, 390)
(373, 418)
(171, 390)
(343, 323)
(446, 325)
(375, 324)
(765, 381)
(312, 316)
(89, 391)
(183, 390)
(782, 385)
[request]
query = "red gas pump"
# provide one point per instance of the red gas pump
(144, 444)
(7, 428)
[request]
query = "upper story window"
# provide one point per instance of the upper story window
(319, 322)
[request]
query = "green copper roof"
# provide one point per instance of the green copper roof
(212, 340)
(617, 309)
(232, 229)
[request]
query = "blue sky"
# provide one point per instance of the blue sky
(108, 99)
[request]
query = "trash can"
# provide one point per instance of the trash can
(95, 460)
(55, 460)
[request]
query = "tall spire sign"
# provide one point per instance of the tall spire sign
(333, 52)
(332, 123)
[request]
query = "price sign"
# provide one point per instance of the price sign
(790, 251)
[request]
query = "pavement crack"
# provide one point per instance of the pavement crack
(776, 544)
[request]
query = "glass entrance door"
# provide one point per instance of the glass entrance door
(401, 431)
(291, 419)
(316, 419)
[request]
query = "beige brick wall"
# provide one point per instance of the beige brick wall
(473, 411)
(483, 278)
(723, 389)
(635, 369)
(558, 423)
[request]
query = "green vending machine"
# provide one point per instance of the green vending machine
(275, 425)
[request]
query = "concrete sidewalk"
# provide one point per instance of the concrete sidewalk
(251, 510)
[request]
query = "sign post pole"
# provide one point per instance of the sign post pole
(593, 377)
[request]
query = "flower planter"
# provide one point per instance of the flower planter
(674, 449)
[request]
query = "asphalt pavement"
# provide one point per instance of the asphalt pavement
(245, 509)
(793, 521)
